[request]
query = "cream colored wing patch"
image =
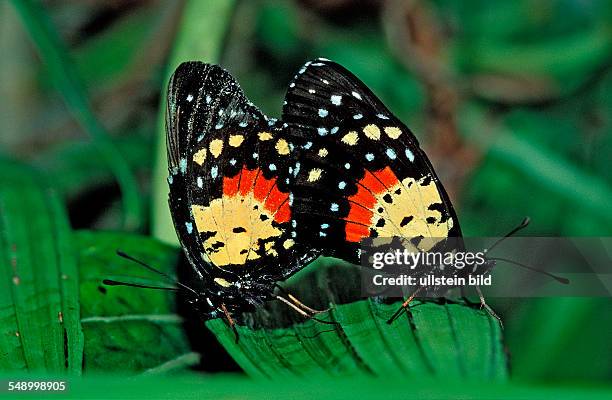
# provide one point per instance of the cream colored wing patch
(243, 224)
(388, 207)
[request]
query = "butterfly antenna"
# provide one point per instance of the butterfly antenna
(521, 226)
(559, 279)
(110, 282)
(150, 268)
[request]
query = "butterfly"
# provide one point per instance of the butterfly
(230, 170)
(255, 199)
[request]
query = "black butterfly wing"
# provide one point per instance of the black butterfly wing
(228, 176)
(362, 173)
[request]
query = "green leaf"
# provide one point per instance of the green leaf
(39, 317)
(137, 329)
(448, 340)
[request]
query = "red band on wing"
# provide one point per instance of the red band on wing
(264, 191)
(230, 185)
(275, 203)
(362, 203)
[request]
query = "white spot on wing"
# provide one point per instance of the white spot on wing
(336, 100)
(409, 155)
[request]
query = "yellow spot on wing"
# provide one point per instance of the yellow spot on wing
(200, 156)
(216, 147)
(222, 282)
(314, 174)
(323, 152)
(372, 132)
(351, 138)
(264, 136)
(393, 132)
(236, 140)
(282, 147)
(287, 244)
(269, 247)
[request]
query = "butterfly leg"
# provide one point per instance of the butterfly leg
(483, 304)
(230, 321)
(404, 306)
(302, 312)
(298, 302)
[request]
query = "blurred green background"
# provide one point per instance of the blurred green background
(511, 101)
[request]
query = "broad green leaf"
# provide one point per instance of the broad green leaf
(136, 329)
(39, 309)
(436, 341)
(445, 341)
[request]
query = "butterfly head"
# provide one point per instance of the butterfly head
(236, 294)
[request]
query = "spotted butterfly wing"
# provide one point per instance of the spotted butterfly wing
(229, 197)
(362, 173)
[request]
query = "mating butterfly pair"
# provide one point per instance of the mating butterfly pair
(255, 199)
